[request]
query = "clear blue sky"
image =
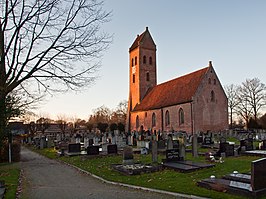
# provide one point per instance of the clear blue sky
(187, 33)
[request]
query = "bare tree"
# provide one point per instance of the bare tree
(233, 100)
(46, 42)
(255, 93)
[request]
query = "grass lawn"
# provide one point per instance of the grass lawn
(10, 174)
(168, 180)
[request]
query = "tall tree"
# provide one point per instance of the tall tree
(233, 100)
(46, 42)
(255, 93)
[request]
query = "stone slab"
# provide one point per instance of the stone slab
(180, 167)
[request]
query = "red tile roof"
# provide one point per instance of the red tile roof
(173, 92)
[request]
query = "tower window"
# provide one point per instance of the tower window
(132, 62)
(181, 116)
(150, 60)
(210, 81)
(136, 61)
(133, 79)
(153, 120)
(147, 76)
(167, 118)
(212, 96)
(214, 81)
(144, 59)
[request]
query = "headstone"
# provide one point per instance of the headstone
(93, 150)
(172, 155)
(195, 145)
(207, 140)
(112, 149)
(90, 142)
(176, 144)
(128, 158)
(74, 148)
(258, 173)
(104, 147)
(161, 144)
(154, 151)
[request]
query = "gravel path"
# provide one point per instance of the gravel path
(45, 178)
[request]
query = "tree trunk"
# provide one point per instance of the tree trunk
(3, 118)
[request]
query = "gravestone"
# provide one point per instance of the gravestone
(128, 158)
(161, 144)
(176, 144)
(112, 149)
(74, 148)
(90, 142)
(258, 174)
(104, 147)
(93, 150)
(154, 151)
(200, 139)
(172, 155)
(207, 140)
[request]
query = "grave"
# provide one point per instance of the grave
(74, 148)
(246, 145)
(154, 151)
(93, 150)
(135, 169)
(226, 148)
(112, 149)
(207, 140)
(128, 157)
(253, 185)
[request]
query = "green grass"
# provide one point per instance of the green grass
(168, 180)
(10, 174)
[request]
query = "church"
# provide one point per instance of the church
(195, 102)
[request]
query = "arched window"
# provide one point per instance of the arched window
(147, 76)
(150, 60)
(137, 122)
(212, 96)
(133, 79)
(167, 118)
(144, 59)
(153, 120)
(210, 81)
(181, 116)
(214, 81)
(136, 61)
(132, 62)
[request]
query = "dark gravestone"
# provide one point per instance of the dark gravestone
(112, 149)
(128, 157)
(2, 188)
(161, 144)
(247, 143)
(222, 140)
(175, 144)
(258, 174)
(200, 139)
(172, 155)
(229, 150)
(74, 148)
(207, 141)
(90, 142)
(93, 150)
(154, 151)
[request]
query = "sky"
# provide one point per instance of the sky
(188, 34)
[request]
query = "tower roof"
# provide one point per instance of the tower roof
(173, 92)
(140, 38)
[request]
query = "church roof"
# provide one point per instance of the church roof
(173, 92)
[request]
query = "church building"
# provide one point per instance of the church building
(195, 102)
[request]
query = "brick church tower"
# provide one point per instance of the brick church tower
(142, 69)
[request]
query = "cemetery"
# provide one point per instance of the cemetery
(212, 165)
